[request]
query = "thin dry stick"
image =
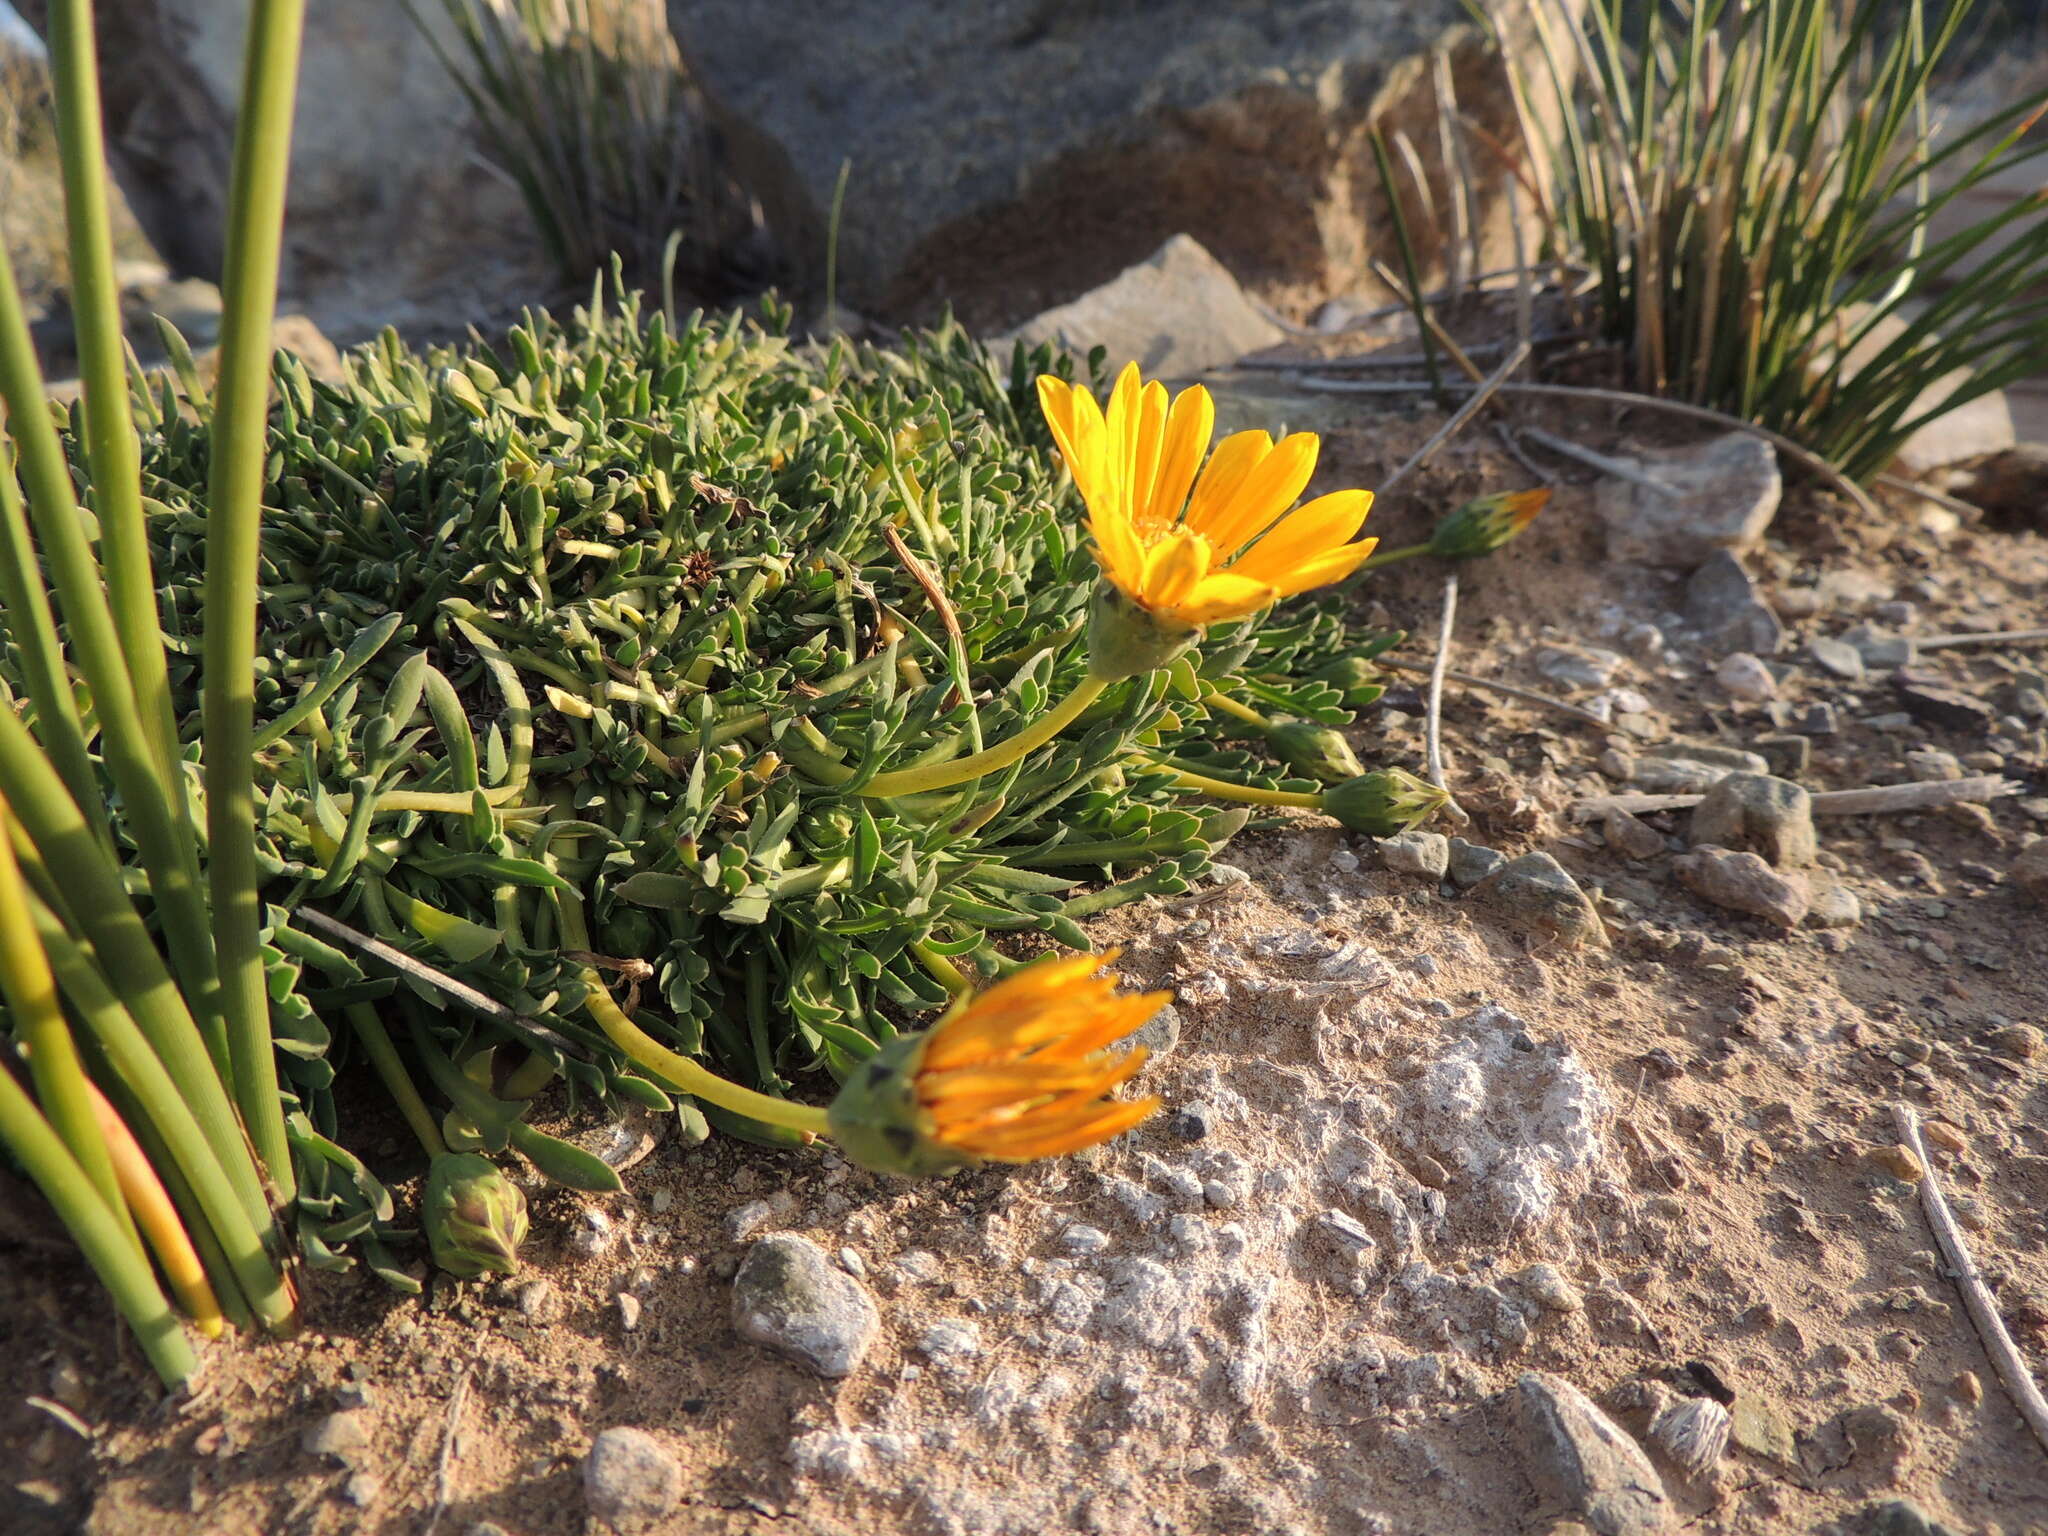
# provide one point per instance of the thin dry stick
(1509, 441)
(1940, 498)
(1433, 720)
(1621, 469)
(1805, 457)
(1875, 800)
(451, 1440)
(1527, 695)
(418, 970)
(1987, 637)
(1472, 406)
(2012, 1370)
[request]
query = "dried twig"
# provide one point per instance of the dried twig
(1527, 695)
(1472, 406)
(1939, 498)
(1987, 637)
(1621, 469)
(1875, 800)
(2012, 1370)
(1803, 456)
(1433, 718)
(418, 970)
(451, 1441)
(1513, 444)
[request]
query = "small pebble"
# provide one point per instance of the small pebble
(1967, 1388)
(1084, 1239)
(1743, 676)
(744, 1221)
(1898, 1161)
(629, 1311)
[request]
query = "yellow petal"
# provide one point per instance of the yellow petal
(1323, 524)
(1152, 413)
(1222, 477)
(1188, 428)
(1077, 426)
(1267, 491)
(1224, 596)
(1321, 570)
(1122, 446)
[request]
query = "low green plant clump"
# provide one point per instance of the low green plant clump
(576, 659)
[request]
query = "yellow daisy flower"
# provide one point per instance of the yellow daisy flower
(1020, 1072)
(1194, 548)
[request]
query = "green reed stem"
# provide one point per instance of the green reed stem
(111, 1252)
(147, 795)
(25, 610)
(31, 995)
(245, 1271)
(234, 526)
(113, 451)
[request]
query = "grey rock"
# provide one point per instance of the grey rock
(1949, 708)
(1723, 603)
(1931, 765)
(1834, 906)
(1687, 767)
(1177, 313)
(1902, 1517)
(1537, 892)
(1192, 1122)
(1417, 853)
(1549, 1289)
(1470, 863)
(1742, 882)
(1880, 650)
(1838, 656)
(743, 1221)
(2020, 1042)
(344, 1436)
(1727, 493)
(790, 1297)
(1587, 1462)
(1821, 719)
(1632, 837)
(381, 130)
(1578, 666)
(1345, 1233)
(1160, 1033)
(1770, 816)
(1789, 755)
(362, 1489)
(978, 129)
(1743, 676)
(630, 1480)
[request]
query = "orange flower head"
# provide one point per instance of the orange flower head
(1188, 543)
(1022, 1071)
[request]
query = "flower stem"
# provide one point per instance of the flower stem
(943, 971)
(1230, 706)
(1223, 789)
(1388, 557)
(911, 781)
(685, 1075)
(384, 1057)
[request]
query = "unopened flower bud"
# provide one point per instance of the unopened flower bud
(1317, 751)
(1356, 680)
(474, 1216)
(1482, 526)
(1385, 802)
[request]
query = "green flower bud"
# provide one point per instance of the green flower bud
(879, 1123)
(1482, 526)
(1315, 750)
(1355, 678)
(1126, 640)
(475, 1217)
(1384, 803)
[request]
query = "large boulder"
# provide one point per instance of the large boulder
(1009, 154)
(387, 202)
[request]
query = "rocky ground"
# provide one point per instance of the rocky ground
(1539, 1181)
